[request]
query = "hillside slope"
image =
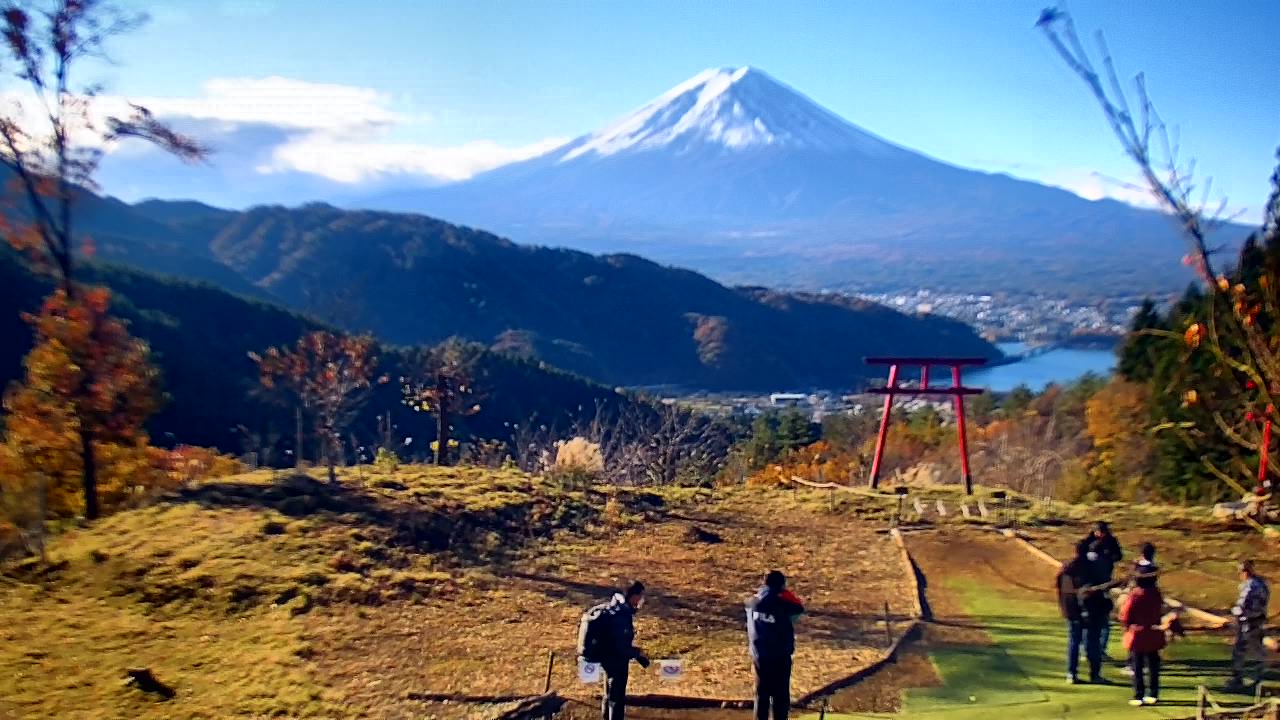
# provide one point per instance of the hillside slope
(618, 319)
(201, 336)
(255, 596)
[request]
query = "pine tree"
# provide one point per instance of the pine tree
(794, 431)
(762, 447)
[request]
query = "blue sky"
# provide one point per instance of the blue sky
(461, 86)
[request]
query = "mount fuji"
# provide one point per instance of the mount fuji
(738, 175)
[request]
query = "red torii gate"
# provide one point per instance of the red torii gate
(891, 388)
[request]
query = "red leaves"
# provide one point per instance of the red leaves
(86, 360)
(329, 374)
(84, 373)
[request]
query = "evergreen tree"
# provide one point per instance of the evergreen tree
(1138, 353)
(762, 447)
(795, 430)
(1017, 401)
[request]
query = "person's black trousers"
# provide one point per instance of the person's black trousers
(614, 704)
(1146, 660)
(773, 687)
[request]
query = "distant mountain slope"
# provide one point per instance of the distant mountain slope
(139, 236)
(619, 319)
(738, 175)
(201, 336)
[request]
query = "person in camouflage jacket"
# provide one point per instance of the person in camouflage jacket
(1248, 656)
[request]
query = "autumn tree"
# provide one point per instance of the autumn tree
(1117, 417)
(88, 382)
(51, 142)
(330, 376)
(442, 383)
(1235, 325)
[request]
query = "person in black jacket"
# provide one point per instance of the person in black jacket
(618, 650)
(1082, 610)
(771, 638)
(1108, 549)
(1105, 553)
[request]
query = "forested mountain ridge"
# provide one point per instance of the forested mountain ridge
(200, 337)
(619, 319)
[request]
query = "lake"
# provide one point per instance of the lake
(1057, 365)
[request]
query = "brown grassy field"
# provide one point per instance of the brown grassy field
(260, 596)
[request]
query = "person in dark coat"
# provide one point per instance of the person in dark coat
(771, 638)
(1081, 609)
(1108, 549)
(1106, 554)
(619, 650)
(1144, 638)
(1248, 655)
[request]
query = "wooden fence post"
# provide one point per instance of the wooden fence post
(888, 627)
(551, 663)
(1200, 702)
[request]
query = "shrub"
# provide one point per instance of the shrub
(386, 460)
(579, 463)
(818, 462)
(579, 453)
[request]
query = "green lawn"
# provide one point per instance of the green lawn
(1022, 675)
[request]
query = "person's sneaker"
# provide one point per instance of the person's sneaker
(1099, 680)
(1148, 700)
(1127, 670)
(1073, 680)
(1135, 703)
(1234, 686)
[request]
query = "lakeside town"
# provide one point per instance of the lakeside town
(1032, 319)
(1025, 326)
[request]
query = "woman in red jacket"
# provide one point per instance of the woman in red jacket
(1143, 636)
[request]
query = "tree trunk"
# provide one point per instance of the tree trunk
(331, 454)
(443, 399)
(442, 436)
(89, 475)
(297, 448)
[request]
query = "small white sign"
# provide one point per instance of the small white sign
(670, 669)
(589, 672)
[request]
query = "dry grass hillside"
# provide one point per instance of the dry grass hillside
(283, 596)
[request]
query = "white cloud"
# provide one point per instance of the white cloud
(339, 132)
(285, 102)
(1092, 185)
(350, 161)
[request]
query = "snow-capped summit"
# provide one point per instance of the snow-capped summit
(728, 108)
(736, 173)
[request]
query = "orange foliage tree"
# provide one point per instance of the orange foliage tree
(87, 382)
(51, 145)
(818, 462)
(330, 376)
